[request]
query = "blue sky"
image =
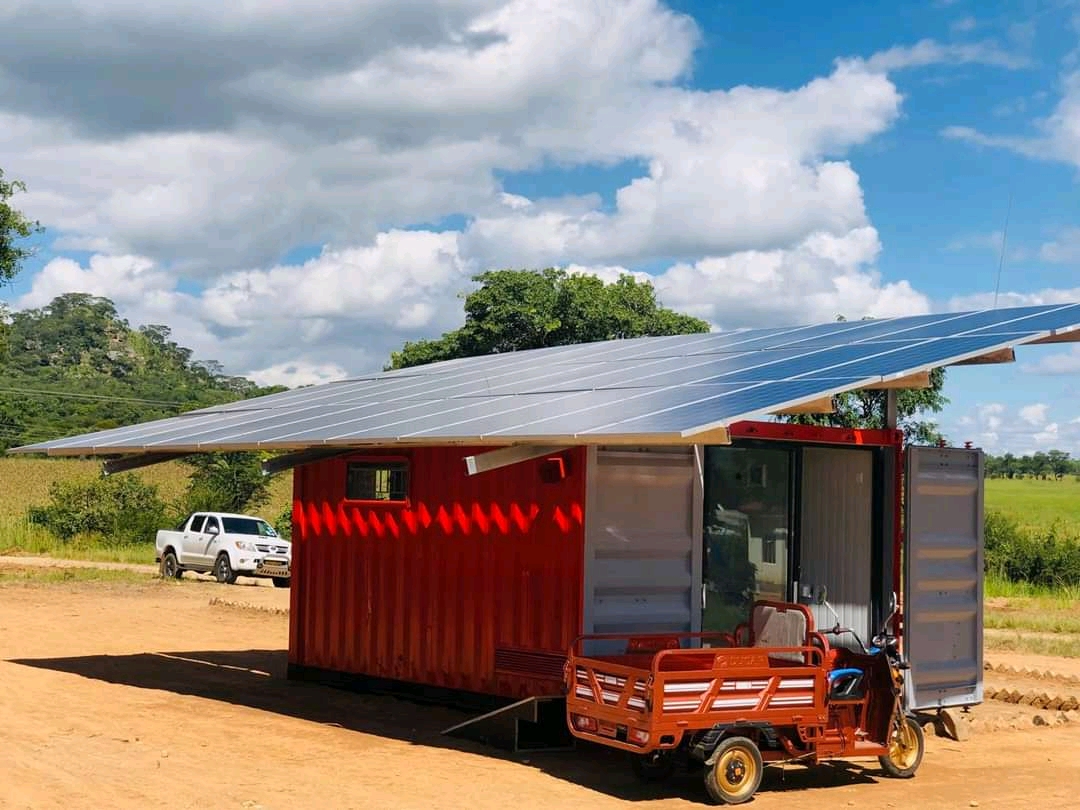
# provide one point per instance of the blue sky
(764, 163)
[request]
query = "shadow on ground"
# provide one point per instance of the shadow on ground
(256, 679)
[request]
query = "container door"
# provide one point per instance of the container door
(642, 574)
(837, 536)
(943, 577)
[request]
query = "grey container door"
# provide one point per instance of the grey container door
(943, 577)
(642, 543)
(837, 529)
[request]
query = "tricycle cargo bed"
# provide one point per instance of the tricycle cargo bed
(641, 702)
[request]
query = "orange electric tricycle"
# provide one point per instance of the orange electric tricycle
(774, 691)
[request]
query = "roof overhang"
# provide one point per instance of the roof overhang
(646, 391)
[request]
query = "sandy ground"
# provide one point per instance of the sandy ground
(147, 695)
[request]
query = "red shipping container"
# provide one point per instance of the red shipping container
(473, 584)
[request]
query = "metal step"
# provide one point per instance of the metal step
(532, 724)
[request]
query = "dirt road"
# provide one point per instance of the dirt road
(146, 695)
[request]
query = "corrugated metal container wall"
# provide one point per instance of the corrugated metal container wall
(472, 584)
(837, 526)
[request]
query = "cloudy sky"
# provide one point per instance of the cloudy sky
(298, 187)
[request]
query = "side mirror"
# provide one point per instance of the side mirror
(213, 530)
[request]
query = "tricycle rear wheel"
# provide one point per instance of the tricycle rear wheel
(733, 772)
(653, 767)
(906, 745)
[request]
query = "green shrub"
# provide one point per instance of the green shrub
(283, 524)
(226, 482)
(1046, 557)
(118, 509)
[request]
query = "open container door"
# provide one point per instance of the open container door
(943, 577)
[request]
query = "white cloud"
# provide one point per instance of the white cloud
(394, 281)
(990, 415)
(965, 25)
(928, 52)
(1065, 249)
(728, 171)
(294, 374)
(1047, 437)
(1020, 430)
(125, 279)
(1034, 414)
(353, 305)
(822, 277)
(985, 300)
(1058, 137)
(990, 242)
(340, 124)
(322, 133)
(1067, 362)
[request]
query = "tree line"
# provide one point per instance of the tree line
(1049, 465)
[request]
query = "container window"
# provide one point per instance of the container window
(377, 481)
(768, 550)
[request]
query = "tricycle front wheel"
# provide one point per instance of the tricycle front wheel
(906, 745)
(733, 772)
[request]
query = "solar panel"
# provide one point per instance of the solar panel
(664, 387)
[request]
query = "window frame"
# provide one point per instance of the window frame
(376, 462)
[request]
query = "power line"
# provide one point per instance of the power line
(40, 392)
(1001, 258)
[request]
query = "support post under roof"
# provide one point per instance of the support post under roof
(290, 460)
(134, 462)
(505, 456)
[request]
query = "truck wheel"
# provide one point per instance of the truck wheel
(905, 750)
(223, 572)
(170, 566)
(733, 772)
(281, 582)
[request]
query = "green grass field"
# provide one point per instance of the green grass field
(1036, 504)
(25, 482)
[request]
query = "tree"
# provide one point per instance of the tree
(226, 482)
(1059, 462)
(866, 409)
(523, 309)
(14, 227)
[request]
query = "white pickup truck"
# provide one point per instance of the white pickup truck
(226, 545)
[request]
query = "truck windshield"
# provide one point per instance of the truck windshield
(248, 526)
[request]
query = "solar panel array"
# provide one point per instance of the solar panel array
(656, 387)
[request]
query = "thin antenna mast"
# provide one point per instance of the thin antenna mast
(1001, 258)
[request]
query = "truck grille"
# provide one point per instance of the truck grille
(266, 548)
